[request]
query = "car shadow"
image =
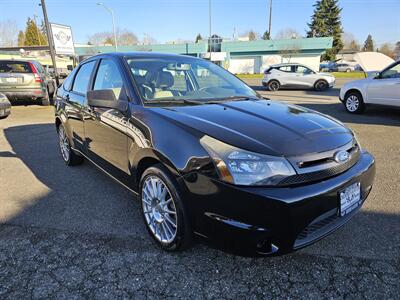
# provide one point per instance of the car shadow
(82, 199)
(378, 115)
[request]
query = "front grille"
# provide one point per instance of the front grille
(321, 174)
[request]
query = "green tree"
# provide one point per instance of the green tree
(33, 35)
(266, 35)
(368, 44)
(326, 22)
(198, 38)
(21, 38)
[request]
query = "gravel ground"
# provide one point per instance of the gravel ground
(75, 233)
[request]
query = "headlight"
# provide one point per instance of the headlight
(243, 167)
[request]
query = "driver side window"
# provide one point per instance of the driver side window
(393, 72)
(108, 77)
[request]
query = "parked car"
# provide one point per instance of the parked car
(296, 75)
(207, 155)
(23, 80)
(381, 89)
(344, 67)
(5, 106)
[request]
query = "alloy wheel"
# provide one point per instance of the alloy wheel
(159, 209)
(352, 103)
(64, 144)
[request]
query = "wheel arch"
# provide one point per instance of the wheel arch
(353, 90)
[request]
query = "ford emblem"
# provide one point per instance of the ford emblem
(341, 156)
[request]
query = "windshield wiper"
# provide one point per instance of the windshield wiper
(173, 101)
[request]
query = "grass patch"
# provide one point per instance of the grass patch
(351, 75)
(250, 76)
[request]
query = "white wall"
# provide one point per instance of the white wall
(257, 64)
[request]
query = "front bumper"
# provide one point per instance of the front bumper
(264, 221)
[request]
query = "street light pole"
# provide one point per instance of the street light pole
(270, 17)
(113, 22)
(50, 40)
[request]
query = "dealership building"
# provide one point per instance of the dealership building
(240, 57)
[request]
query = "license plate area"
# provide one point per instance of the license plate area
(350, 198)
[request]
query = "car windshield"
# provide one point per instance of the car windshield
(178, 79)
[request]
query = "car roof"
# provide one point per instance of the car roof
(286, 65)
(140, 54)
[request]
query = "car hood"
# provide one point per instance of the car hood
(263, 126)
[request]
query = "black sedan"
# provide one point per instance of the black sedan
(208, 156)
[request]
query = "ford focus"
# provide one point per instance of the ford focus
(207, 156)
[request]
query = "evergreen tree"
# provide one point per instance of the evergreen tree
(21, 38)
(326, 22)
(33, 35)
(266, 35)
(368, 44)
(198, 38)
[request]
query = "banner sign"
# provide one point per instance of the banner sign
(62, 37)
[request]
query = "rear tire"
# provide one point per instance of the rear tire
(354, 103)
(163, 212)
(45, 99)
(274, 85)
(67, 154)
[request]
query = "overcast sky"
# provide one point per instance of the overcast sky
(168, 20)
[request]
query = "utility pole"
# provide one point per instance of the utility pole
(270, 18)
(50, 40)
(209, 27)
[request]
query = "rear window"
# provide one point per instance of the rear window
(15, 67)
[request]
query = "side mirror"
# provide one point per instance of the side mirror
(377, 75)
(106, 99)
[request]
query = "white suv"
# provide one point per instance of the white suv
(296, 75)
(383, 89)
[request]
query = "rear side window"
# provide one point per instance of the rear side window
(67, 84)
(15, 67)
(82, 78)
(287, 69)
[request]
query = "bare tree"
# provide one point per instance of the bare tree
(388, 50)
(288, 33)
(350, 42)
(124, 38)
(289, 51)
(148, 40)
(8, 33)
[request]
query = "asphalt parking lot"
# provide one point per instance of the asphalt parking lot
(75, 233)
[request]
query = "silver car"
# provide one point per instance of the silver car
(23, 80)
(296, 75)
(5, 106)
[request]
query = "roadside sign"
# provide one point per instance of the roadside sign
(62, 38)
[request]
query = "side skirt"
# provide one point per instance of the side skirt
(105, 172)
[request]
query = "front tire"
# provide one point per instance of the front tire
(354, 103)
(68, 155)
(163, 211)
(321, 85)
